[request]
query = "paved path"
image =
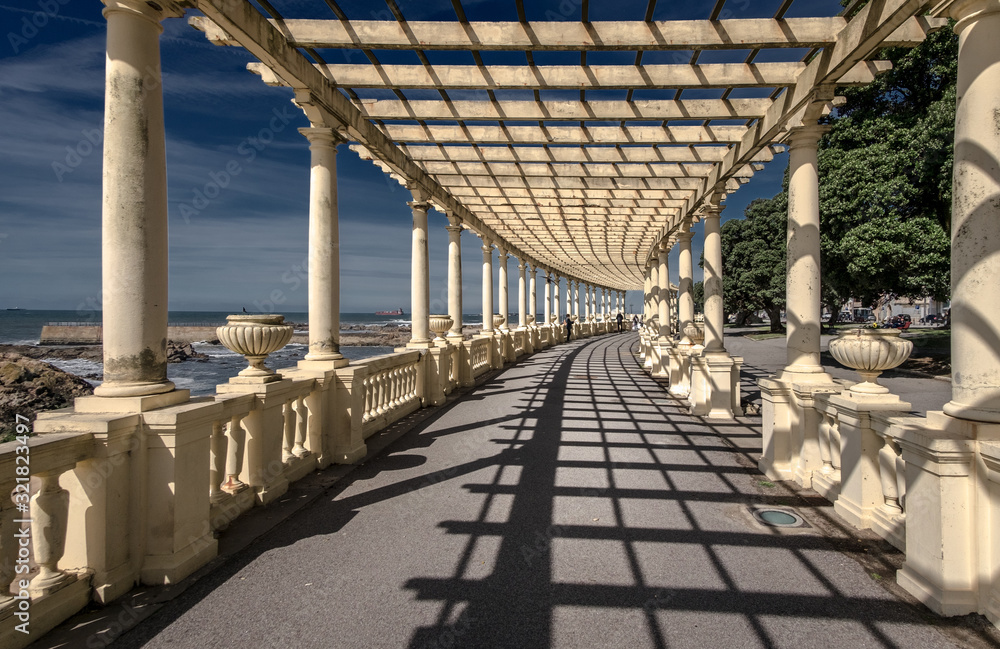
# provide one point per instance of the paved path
(567, 503)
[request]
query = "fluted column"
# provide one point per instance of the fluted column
(324, 246)
(664, 305)
(713, 279)
(522, 295)
(454, 229)
(503, 285)
(975, 219)
(420, 293)
(487, 286)
(803, 297)
(134, 212)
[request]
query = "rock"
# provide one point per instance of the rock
(28, 386)
(180, 352)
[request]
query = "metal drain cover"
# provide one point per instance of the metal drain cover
(778, 517)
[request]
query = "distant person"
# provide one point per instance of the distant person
(621, 320)
(569, 326)
(635, 323)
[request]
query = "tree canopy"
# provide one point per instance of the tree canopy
(885, 171)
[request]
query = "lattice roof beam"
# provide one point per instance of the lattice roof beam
(572, 77)
(561, 134)
(741, 34)
(626, 154)
(259, 37)
(693, 109)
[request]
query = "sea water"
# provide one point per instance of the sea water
(23, 327)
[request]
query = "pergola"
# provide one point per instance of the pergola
(569, 141)
(587, 150)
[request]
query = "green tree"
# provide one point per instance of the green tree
(698, 293)
(753, 261)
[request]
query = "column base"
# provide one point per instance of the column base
(322, 365)
(104, 404)
(171, 568)
(963, 411)
(418, 344)
(116, 389)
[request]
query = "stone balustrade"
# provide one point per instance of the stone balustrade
(115, 496)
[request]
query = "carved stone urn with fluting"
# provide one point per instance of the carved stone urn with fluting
(498, 320)
(440, 323)
(870, 352)
(255, 336)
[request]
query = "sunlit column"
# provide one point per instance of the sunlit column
(803, 304)
(685, 281)
(324, 246)
(713, 278)
(454, 229)
(555, 298)
(503, 285)
(522, 295)
(646, 291)
(420, 293)
(487, 286)
(576, 298)
(664, 274)
(975, 217)
(134, 211)
(533, 292)
(548, 297)
(654, 289)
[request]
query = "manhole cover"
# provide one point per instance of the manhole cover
(774, 517)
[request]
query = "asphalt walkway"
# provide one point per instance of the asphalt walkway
(569, 502)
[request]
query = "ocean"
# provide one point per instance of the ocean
(23, 327)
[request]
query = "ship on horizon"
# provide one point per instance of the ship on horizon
(399, 311)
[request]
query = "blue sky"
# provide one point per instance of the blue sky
(248, 243)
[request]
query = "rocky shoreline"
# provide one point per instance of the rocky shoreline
(28, 386)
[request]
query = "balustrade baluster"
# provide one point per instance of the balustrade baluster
(397, 387)
(49, 515)
(825, 443)
(383, 392)
(8, 551)
(887, 474)
(288, 440)
(900, 477)
(301, 418)
(234, 458)
(218, 464)
(366, 385)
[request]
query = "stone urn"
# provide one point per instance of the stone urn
(439, 324)
(530, 319)
(870, 352)
(255, 336)
(695, 333)
(498, 320)
(553, 318)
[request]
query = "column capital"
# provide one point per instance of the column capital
(806, 135)
(454, 221)
(502, 253)
(421, 206)
(967, 11)
(154, 12)
(322, 136)
(685, 236)
(521, 266)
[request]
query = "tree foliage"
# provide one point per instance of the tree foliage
(885, 173)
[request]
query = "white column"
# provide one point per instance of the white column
(324, 246)
(548, 297)
(975, 218)
(134, 212)
(533, 292)
(503, 285)
(586, 301)
(685, 282)
(522, 295)
(487, 286)
(555, 298)
(803, 297)
(576, 298)
(569, 298)
(654, 289)
(647, 285)
(454, 229)
(420, 293)
(713, 279)
(664, 275)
